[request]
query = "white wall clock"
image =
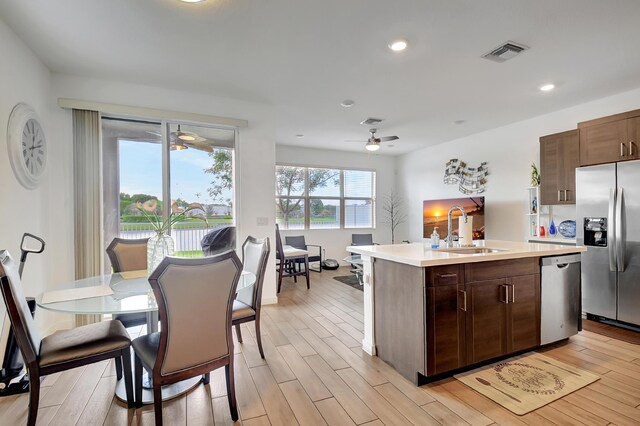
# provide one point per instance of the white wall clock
(27, 145)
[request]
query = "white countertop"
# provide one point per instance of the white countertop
(415, 254)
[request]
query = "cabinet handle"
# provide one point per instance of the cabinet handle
(513, 293)
(621, 149)
(506, 294)
(446, 275)
(559, 193)
(630, 148)
(464, 299)
(565, 194)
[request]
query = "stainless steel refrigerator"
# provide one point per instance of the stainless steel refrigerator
(608, 223)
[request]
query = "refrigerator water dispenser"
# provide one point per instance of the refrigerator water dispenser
(595, 231)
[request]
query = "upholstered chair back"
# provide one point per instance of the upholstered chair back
(195, 300)
(24, 326)
(255, 253)
(128, 255)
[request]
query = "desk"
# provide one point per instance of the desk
(129, 296)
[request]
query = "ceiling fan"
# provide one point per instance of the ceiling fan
(180, 140)
(373, 143)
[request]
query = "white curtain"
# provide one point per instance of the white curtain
(87, 199)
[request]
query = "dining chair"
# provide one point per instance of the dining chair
(246, 307)
(128, 255)
(195, 302)
(298, 241)
(63, 350)
(286, 261)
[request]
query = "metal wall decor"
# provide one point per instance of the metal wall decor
(470, 180)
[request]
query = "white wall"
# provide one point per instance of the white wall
(23, 78)
(334, 241)
(509, 151)
(255, 147)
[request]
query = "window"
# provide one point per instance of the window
(324, 198)
(141, 169)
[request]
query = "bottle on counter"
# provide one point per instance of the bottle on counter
(435, 238)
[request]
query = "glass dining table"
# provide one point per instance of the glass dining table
(131, 293)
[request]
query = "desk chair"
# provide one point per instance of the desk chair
(299, 243)
(64, 349)
(195, 302)
(287, 257)
(246, 307)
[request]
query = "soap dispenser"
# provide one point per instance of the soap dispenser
(435, 238)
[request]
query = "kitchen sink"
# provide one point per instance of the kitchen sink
(471, 250)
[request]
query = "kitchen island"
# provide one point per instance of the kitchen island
(430, 312)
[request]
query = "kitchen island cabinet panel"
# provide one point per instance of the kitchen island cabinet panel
(399, 316)
(487, 320)
(524, 316)
(445, 328)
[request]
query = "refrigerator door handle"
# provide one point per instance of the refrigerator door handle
(618, 229)
(612, 227)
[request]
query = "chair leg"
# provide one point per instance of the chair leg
(206, 378)
(280, 272)
(306, 267)
(34, 398)
(138, 381)
(258, 336)
(231, 389)
(238, 333)
(157, 403)
(128, 376)
(118, 368)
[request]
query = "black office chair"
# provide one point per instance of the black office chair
(299, 243)
(219, 240)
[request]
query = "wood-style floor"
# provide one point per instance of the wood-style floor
(315, 373)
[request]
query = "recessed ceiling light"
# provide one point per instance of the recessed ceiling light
(347, 103)
(547, 87)
(192, 1)
(398, 45)
(300, 136)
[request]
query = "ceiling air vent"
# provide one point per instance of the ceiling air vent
(371, 121)
(505, 52)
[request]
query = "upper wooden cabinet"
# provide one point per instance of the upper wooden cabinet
(610, 139)
(559, 157)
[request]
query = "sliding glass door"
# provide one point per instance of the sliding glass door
(160, 167)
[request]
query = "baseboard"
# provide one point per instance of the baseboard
(369, 348)
(270, 301)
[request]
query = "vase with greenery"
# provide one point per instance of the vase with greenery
(161, 244)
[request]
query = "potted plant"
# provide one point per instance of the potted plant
(161, 244)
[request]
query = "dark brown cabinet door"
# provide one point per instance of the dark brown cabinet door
(445, 328)
(633, 138)
(603, 143)
(559, 157)
(523, 312)
(549, 170)
(486, 320)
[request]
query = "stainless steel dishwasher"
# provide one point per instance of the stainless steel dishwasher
(560, 309)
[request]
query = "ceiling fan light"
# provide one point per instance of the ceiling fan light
(370, 146)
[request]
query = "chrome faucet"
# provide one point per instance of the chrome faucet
(449, 239)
